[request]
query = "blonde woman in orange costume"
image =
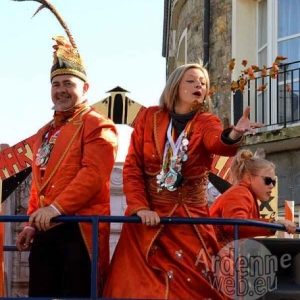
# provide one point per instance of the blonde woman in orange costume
(254, 179)
(165, 175)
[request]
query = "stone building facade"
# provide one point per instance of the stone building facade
(215, 31)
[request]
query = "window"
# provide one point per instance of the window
(262, 103)
(289, 29)
(288, 41)
(279, 34)
(262, 33)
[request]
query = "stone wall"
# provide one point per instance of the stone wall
(220, 56)
(191, 17)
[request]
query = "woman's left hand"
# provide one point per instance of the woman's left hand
(149, 217)
(244, 125)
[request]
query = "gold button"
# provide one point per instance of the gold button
(42, 197)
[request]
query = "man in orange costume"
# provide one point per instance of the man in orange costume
(73, 156)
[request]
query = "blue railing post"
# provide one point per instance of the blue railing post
(94, 266)
(235, 261)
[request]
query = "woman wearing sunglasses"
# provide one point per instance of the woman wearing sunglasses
(253, 179)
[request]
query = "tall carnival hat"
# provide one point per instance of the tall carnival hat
(67, 60)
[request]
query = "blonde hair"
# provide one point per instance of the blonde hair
(169, 96)
(245, 162)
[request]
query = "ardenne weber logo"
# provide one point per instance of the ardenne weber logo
(248, 274)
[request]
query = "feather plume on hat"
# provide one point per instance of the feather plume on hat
(67, 59)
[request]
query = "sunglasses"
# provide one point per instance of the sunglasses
(268, 180)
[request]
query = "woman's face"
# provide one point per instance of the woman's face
(191, 87)
(261, 183)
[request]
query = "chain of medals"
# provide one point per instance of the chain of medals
(44, 151)
(174, 155)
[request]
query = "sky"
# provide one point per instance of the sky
(120, 42)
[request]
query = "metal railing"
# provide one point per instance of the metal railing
(279, 103)
(122, 219)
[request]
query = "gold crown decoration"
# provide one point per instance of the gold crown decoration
(67, 59)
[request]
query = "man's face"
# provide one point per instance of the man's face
(67, 91)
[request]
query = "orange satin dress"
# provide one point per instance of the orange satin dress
(167, 261)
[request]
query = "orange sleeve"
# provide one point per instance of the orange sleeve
(134, 187)
(212, 135)
(239, 203)
(32, 202)
(99, 153)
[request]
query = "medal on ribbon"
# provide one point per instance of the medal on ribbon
(170, 176)
(44, 151)
(43, 155)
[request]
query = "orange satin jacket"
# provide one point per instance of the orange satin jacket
(238, 202)
(77, 176)
(145, 158)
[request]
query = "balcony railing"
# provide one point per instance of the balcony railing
(278, 104)
(121, 219)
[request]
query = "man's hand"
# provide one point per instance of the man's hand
(41, 218)
(24, 239)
